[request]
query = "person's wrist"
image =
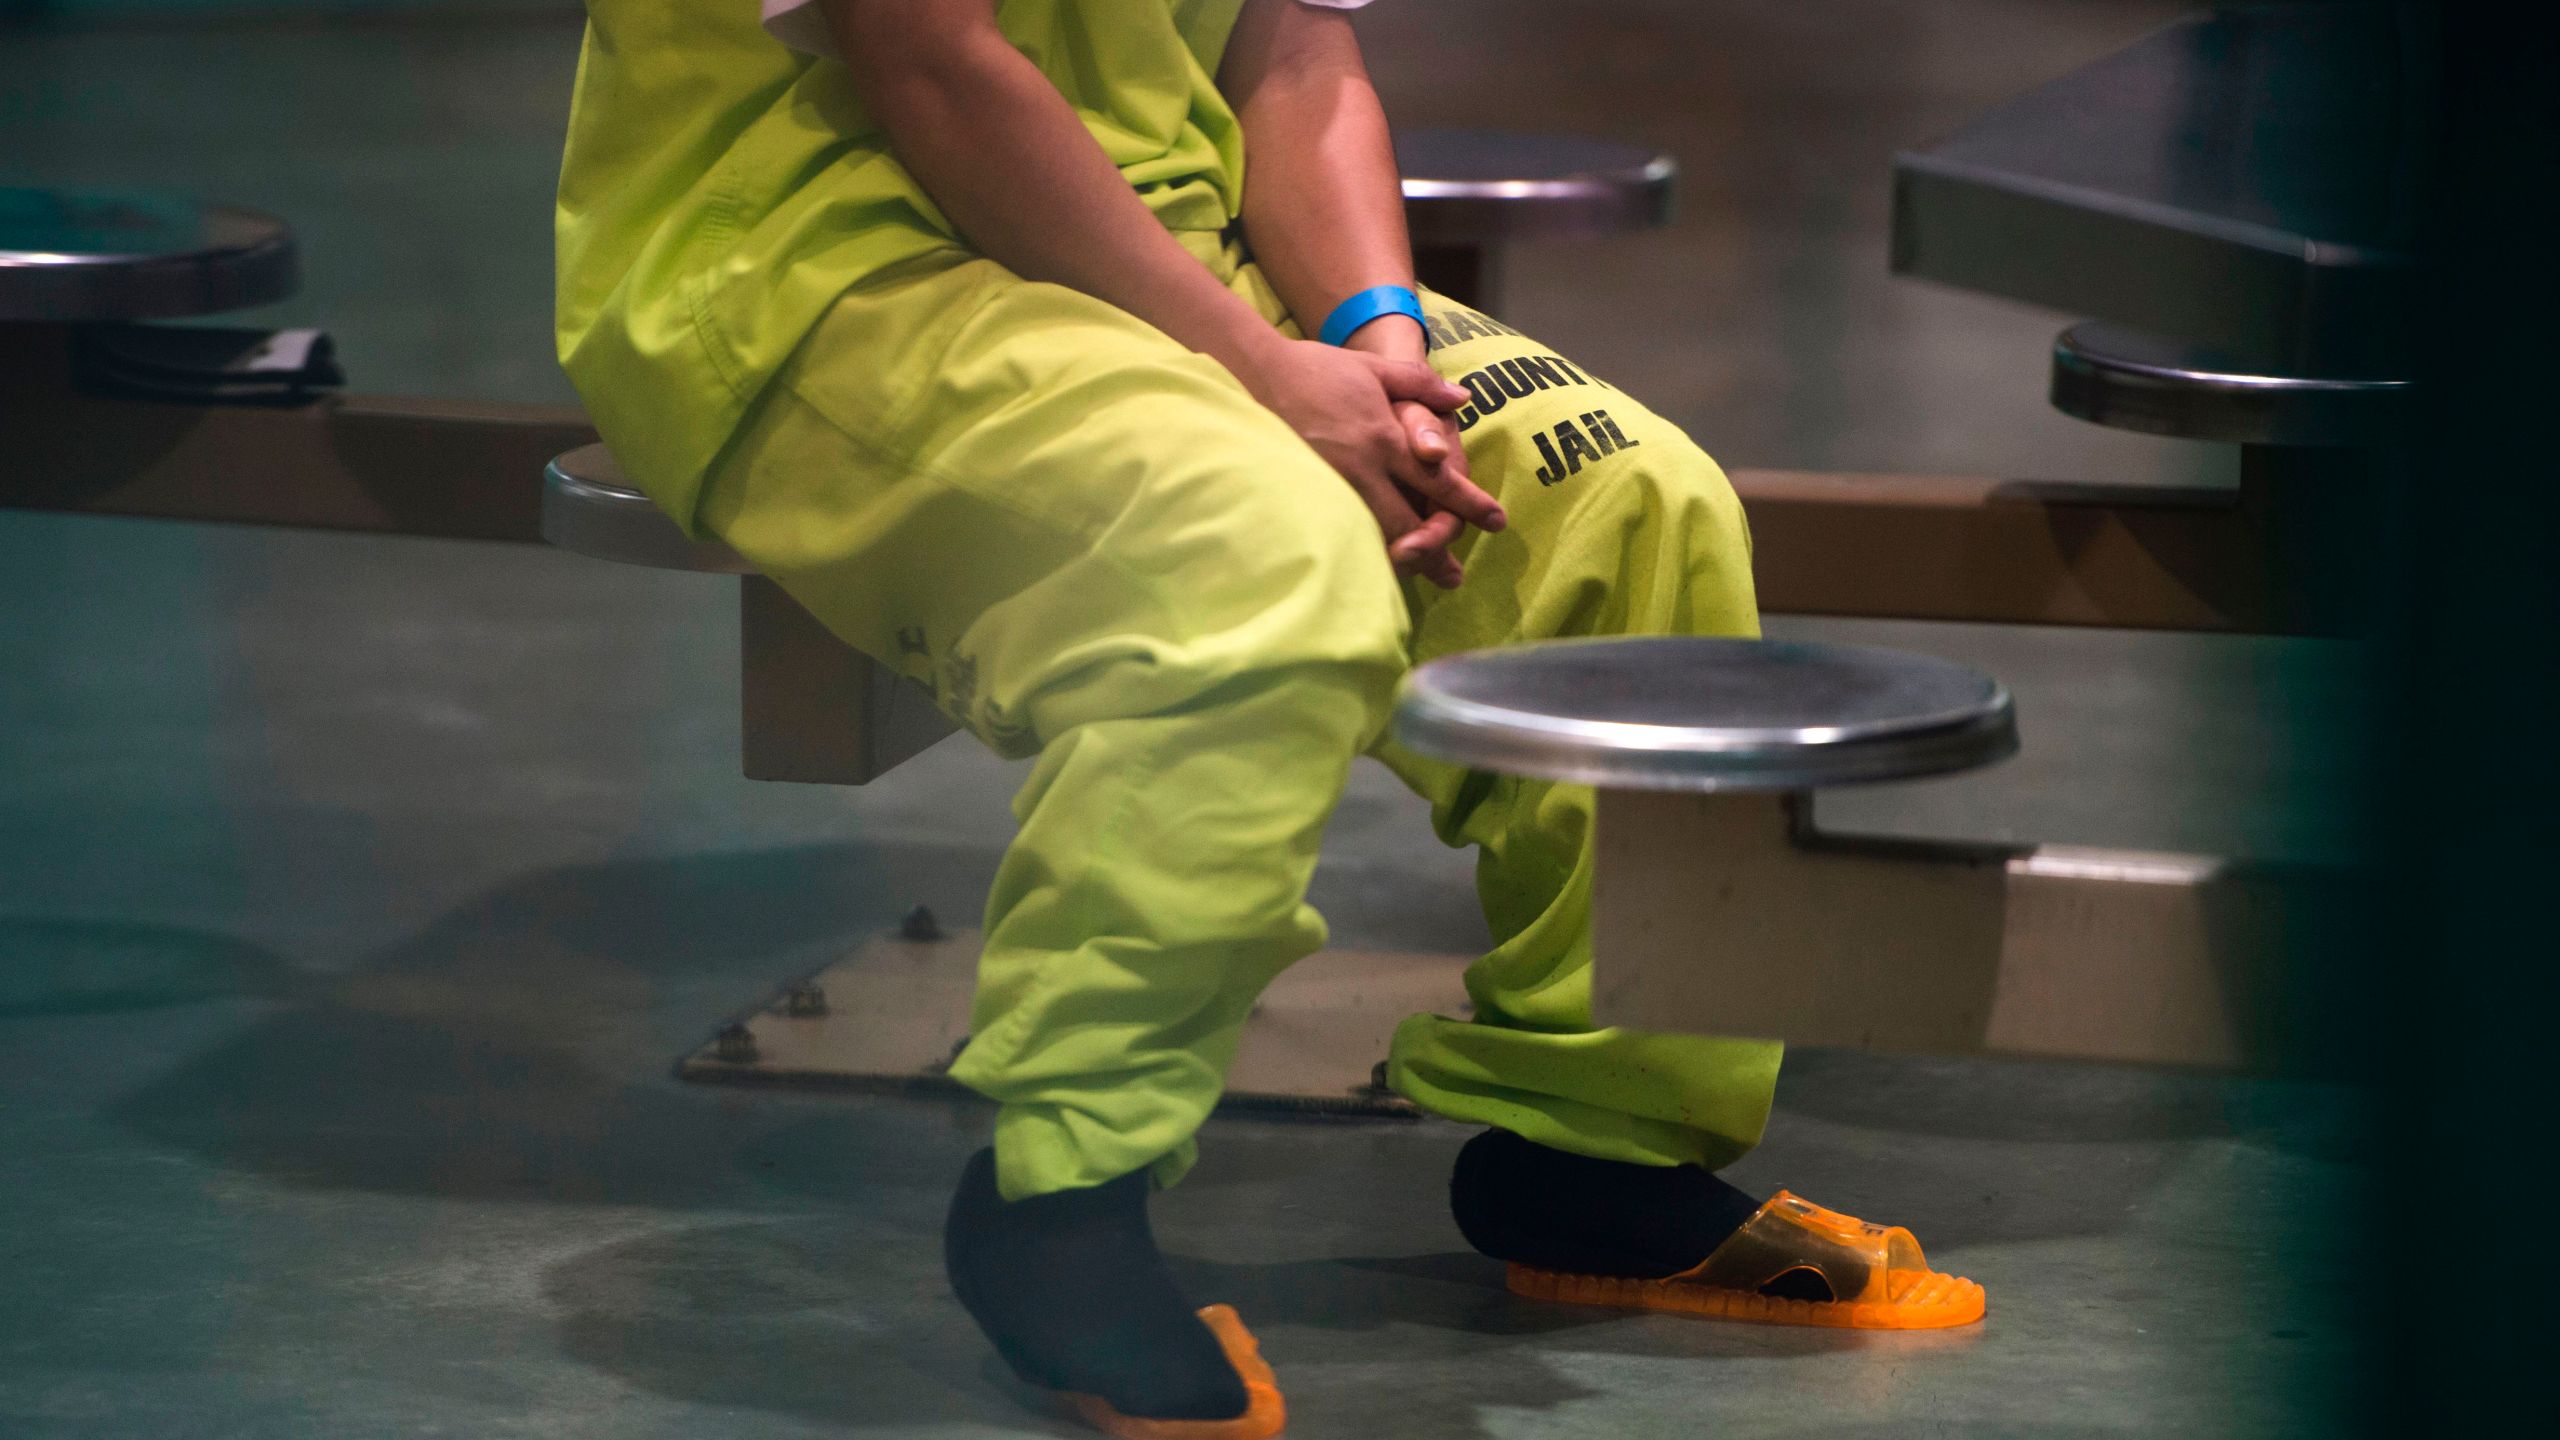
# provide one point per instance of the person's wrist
(1363, 308)
(1391, 337)
(1248, 351)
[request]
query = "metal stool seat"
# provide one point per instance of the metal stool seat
(1470, 193)
(1677, 713)
(2111, 375)
(589, 508)
(1469, 187)
(70, 257)
(1717, 906)
(815, 710)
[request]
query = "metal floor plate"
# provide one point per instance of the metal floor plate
(891, 1017)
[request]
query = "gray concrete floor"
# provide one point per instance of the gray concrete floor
(355, 894)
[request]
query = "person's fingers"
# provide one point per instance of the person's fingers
(1424, 550)
(1455, 466)
(1413, 380)
(1443, 470)
(1396, 519)
(1437, 532)
(1432, 436)
(1456, 492)
(1437, 566)
(1395, 514)
(1395, 456)
(1430, 442)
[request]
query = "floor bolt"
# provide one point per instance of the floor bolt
(943, 1065)
(919, 925)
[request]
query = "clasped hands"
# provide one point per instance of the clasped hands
(1383, 422)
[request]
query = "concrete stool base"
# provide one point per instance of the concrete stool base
(1735, 915)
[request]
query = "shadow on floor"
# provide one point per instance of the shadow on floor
(1361, 1334)
(846, 1321)
(96, 967)
(519, 1046)
(842, 1320)
(1969, 1098)
(1461, 1294)
(1972, 1429)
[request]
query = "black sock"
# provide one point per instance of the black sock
(1075, 1296)
(1531, 1205)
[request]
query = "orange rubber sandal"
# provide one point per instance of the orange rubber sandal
(1877, 1276)
(1264, 1415)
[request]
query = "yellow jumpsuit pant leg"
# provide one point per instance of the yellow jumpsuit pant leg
(1099, 550)
(1619, 525)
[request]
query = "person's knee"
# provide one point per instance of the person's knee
(1680, 481)
(1627, 506)
(1296, 572)
(1259, 581)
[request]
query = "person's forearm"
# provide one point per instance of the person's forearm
(1005, 157)
(996, 146)
(1323, 203)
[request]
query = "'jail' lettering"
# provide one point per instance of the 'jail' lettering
(1571, 444)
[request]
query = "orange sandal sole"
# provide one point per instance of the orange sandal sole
(1876, 1274)
(1936, 1302)
(1264, 1415)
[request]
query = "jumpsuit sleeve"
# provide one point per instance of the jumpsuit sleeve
(798, 24)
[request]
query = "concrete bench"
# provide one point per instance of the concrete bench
(2040, 950)
(816, 710)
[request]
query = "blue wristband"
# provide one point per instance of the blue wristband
(1366, 306)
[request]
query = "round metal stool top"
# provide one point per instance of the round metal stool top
(2109, 375)
(1464, 187)
(68, 256)
(1673, 713)
(590, 509)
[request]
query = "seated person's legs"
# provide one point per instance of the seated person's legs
(1100, 551)
(1605, 1142)
(1620, 525)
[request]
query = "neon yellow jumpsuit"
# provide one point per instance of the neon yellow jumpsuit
(1100, 550)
